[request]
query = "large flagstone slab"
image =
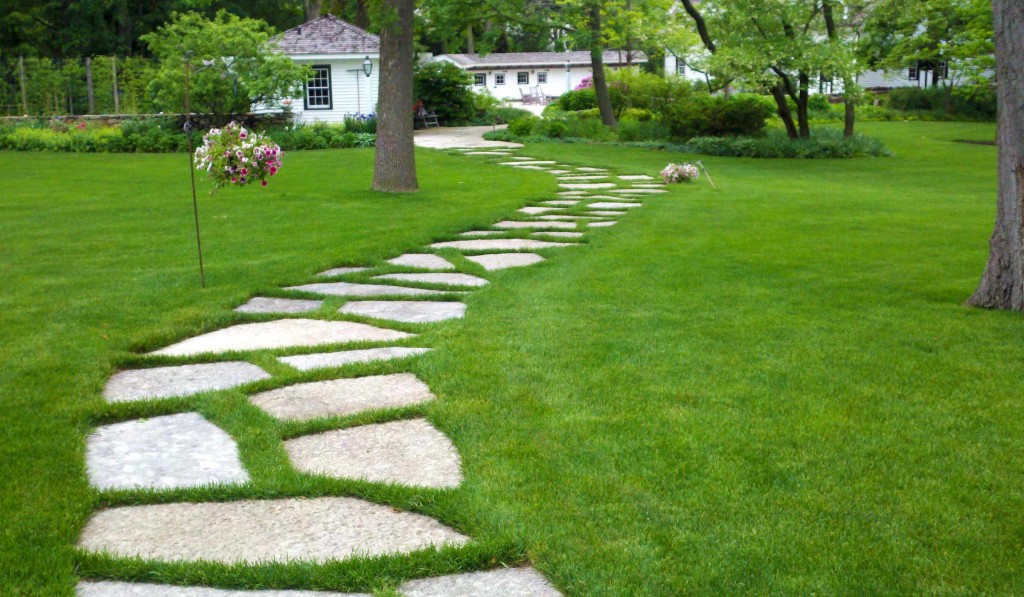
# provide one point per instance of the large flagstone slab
(528, 161)
(560, 202)
(449, 279)
(613, 205)
(489, 153)
(407, 311)
(559, 171)
(422, 261)
(587, 185)
(498, 244)
(262, 304)
(529, 167)
(635, 191)
(571, 193)
(601, 224)
(503, 582)
(591, 169)
(582, 177)
(482, 233)
(608, 214)
(341, 397)
(539, 210)
(565, 217)
(341, 271)
(283, 333)
(351, 289)
(498, 261)
(510, 225)
(180, 380)
(616, 198)
(651, 185)
(403, 452)
(322, 360)
(261, 531)
(169, 452)
(558, 234)
(636, 177)
(110, 588)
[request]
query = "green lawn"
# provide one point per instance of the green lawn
(768, 388)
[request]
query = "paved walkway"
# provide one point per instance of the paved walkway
(185, 450)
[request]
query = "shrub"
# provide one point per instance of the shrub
(631, 89)
(361, 123)
(579, 99)
(646, 130)
(445, 89)
(506, 114)
(523, 126)
(716, 116)
(824, 143)
(555, 129)
(501, 135)
(976, 103)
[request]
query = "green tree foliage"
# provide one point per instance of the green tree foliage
(232, 65)
(445, 89)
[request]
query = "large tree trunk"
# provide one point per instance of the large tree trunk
(1002, 284)
(801, 106)
(850, 116)
(783, 108)
(394, 168)
(604, 101)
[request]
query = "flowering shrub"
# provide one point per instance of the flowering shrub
(586, 83)
(236, 156)
(680, 173)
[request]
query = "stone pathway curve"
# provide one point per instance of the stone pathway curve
(185, 450)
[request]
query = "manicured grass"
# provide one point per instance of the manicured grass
(767, 388)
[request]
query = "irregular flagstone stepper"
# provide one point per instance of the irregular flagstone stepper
(571, 193)
(322, 360)
(503, 582)
(615, 198)
(509, 225)
(350, 289)
(560, 202)
(509, 244)
(527, 161)
(449, 279)
(559, 171)
(590, 169)
(403, 452)
(557, 234)
(601, 224)
(636, 177)
(587, 185)
(610, 214)
(529, 167)
(489, 153)
(261, 531)
(422, 261)
(407, 311)
(261, 304)
(613, 205)
(539, 210)
(183, 450)
(340, 271)
(180, 380)
(283, 333)
(583, 177)
(127, 589)
(652, 185)
(498, 261)
(565, 217)
(482, 233)
(638, 191)
(339, 397)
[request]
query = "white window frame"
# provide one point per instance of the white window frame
(318, 104)
(499, 78)
(480, 79)
(521, 75)
(542, 78)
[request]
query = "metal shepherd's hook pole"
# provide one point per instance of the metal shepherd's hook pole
(192, 172)
(704, 168)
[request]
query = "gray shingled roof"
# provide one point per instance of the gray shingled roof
(534, 59)
(327, 35)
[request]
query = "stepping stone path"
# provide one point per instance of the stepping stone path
(181, 380)
(261, 304)
(262, 531)
(422, 261)
(169, 452)
(342, 397)
(509, 225)
(504, 260)
(407, 311)
(341, 271)
(402, 452)
(323, 360)
(186, 450)
(447, 279)
(351, 289)
(283, 333)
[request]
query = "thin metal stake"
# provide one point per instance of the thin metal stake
(704, 168)
(192, 175)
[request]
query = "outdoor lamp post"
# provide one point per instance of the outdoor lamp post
(568, 75)
(367, 66)
(366, 70)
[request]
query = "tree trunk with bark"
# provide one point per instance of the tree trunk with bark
(394, 168)
(802, 116)
(850, 116)
(604, 101)
(783, 109)
(1002, 284)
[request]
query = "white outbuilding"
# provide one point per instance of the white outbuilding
(346, 64)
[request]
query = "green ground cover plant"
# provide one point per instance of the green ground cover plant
(768, 388)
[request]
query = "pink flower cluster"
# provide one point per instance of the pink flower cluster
(685, 172)
(236, 156)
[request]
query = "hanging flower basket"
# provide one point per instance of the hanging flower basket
(234, 156)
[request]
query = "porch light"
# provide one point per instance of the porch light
(367, 66)
(568, 65)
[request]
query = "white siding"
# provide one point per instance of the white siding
(351, 92)
(559, 81)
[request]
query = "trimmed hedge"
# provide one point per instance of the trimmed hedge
(716, 116)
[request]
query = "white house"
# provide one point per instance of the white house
(513, 75)
(346, 63)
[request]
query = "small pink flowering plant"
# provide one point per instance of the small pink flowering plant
(236, 156)
(685, 172)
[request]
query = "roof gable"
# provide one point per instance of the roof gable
(327, 35)
(538, 59)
